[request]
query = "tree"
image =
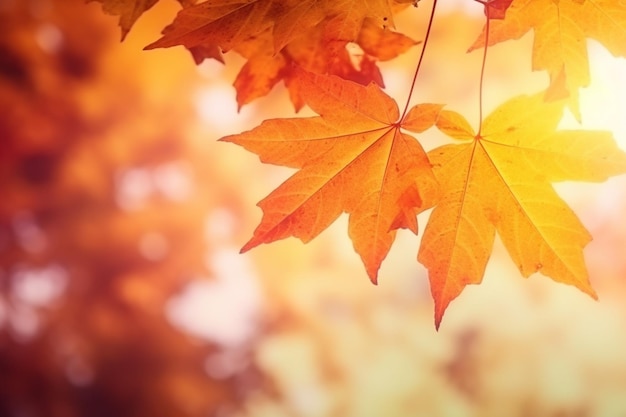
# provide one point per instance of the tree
(82, 326)
(356, 156)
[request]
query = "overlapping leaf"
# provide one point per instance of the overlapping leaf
(352, 158)
(274, 34)
(224, 23)
(227, 23)
(561, 29)
(501, 181)
(264, 69)
(355, 158)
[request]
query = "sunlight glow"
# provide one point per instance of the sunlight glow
(219, 226)
(28, 233)
(216, 107)
(602, 103)
(39, 287)
(24, 322)
(133, 188)
(223, 309)
(154, 246)
(49, 38)
(135, 185)
(602, 107)
(224, 364)
(173, 180)
(211, 69)
(472, 8)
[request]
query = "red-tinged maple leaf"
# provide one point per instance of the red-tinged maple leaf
(561, 28)
(130, 10)
(501, 181)
(264, 69)
(496, 9)
(275, 34)
(352, 158)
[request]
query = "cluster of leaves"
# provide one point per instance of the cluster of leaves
(277, 36)
(356, 156)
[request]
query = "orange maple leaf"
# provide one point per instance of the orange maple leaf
(352, 158)
(274, 34)
(222, 23)
(500, 181)
(347, 16)
(227, 23)
(561, 28)
(264, 68)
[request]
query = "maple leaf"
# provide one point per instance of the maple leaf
(500, 181)
(275, 34)
(228, 23)
(264, 69)
(381, 42)
(350, 14)
(561, 28)
(130, 10)
(352, 158)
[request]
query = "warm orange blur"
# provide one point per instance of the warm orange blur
(122, 292)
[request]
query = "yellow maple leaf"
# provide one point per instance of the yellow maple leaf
(561, 29)
(501, 181)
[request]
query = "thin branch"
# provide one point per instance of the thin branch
(419, 63)
(482, 72)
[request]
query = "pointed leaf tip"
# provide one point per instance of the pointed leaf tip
(128, 11)
(374, 278)
(504, 183)
(249, 245)
(352, 159)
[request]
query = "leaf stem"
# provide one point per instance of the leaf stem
(421, 58)
(482, 73)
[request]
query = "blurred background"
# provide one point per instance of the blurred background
(122, 292)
